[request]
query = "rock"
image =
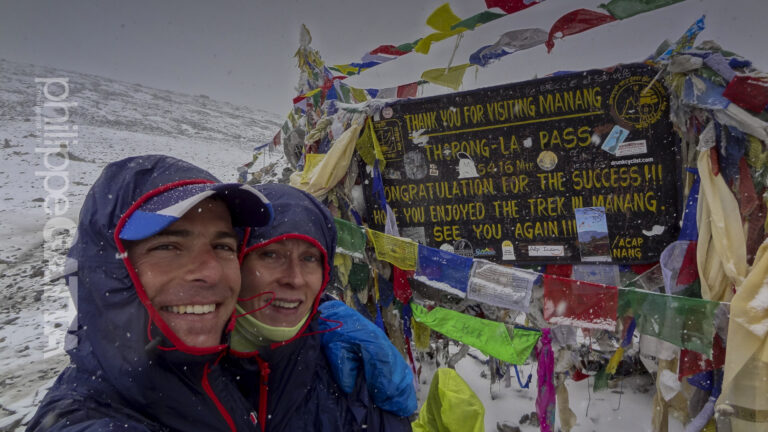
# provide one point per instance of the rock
(506, 427)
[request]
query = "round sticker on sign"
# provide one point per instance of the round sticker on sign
(387, 112)
(547, 160)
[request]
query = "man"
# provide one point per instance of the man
(156, 283)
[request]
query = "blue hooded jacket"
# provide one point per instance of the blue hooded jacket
(117, 378)
(291, 382)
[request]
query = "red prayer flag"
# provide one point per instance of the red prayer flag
(642, 268)
(692, 362)
(748, 92)
(511, 6)
(388, 50)
(407, 90)
(400, 284)
(714, 160)
(580, 304)
(576, 22)
(689, 270)
(562, 270)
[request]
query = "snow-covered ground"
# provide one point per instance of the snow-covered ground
(114, 120)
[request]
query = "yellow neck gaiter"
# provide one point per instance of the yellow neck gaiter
(251, 334)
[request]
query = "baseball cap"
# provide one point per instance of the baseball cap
(247, 206)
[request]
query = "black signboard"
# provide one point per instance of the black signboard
(579, 167)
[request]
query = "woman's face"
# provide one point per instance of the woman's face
(292, 269)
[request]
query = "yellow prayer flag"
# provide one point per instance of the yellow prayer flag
(346, 69)
(442, 18)
(311, 161)
(426, 42)
(452, 79)
(368, 146)
(360, 95)
(398, 251)
(421, 335)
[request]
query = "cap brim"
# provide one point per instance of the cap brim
(247, 206)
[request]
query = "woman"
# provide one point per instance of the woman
(279, 335)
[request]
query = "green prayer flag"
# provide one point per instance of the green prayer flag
(490, 337)
(681, 321)
(408, 47)
(621, 9)
(350, 238)
(477, 20)
(601, 380)
(358, 276)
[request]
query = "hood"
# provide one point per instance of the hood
(115, 337)
(297, 214)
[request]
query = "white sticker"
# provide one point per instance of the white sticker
(656, 230)
(628, 148)
(507, 251)
(546, 250)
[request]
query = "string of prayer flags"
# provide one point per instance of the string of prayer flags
(350, 238)
(444, 270)
(574, 22)
(501, 286)
(490, 337)
(580, 304)
(622, 9)
(510, 42)
(396, 250)
(451, 77)
(682, 321)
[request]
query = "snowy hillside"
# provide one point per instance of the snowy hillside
(111, 120)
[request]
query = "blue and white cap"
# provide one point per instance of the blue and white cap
(247, 206)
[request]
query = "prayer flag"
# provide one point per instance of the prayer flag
(622, 9)
(682, 321)
(491, 337)
(452, 78)
(444, 270)
(350, 238)
(506, 287)
(580, 304)
(398, 251)
(511, 6)
(575, 22)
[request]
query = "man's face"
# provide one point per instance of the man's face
(292, 269)
(191, 274)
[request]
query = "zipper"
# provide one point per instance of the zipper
(263, 388)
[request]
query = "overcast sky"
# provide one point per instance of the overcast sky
(242, 51)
